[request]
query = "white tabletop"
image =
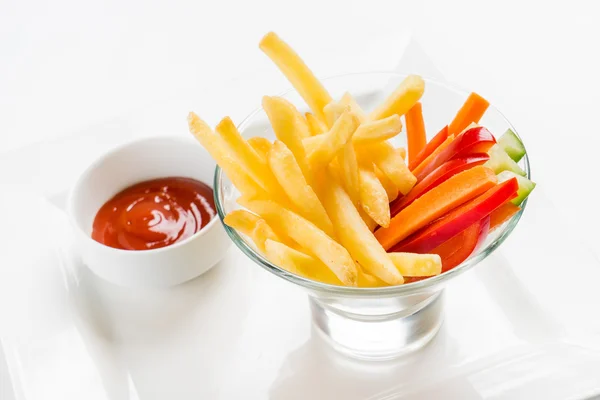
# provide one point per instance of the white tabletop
(70, 67)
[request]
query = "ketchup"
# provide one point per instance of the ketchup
(154, 214)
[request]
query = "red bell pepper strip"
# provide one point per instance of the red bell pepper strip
(458, 248)
(459, 219)
(472, 141)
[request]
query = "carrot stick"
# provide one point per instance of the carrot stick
(454, 192)
(502, 214)
(471, 111)
(433, 155)
(429, 148)
(415, 131)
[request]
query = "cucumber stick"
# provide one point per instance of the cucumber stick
(500, 161)
(512, 145)
(525, 185)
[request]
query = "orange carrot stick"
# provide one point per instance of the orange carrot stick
(471, 111)
(415, 131)
(432, 205)
(417, 171)
(502, 214)
(429, 148)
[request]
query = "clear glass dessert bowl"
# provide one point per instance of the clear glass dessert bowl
(374, 323)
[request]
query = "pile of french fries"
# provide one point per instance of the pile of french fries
(313, 197)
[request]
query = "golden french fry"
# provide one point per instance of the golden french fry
(263, 232)
(242, 221)
(377, 131)
(287, 126)
(288, 174)
(349, 171)
(310, 144)
(299, 263)
(366, 133)
(387, 159)
(333, 141)
(401, 100)
(261, 145)
(367, 280)
(255, 166)
(388, 185)
(296, 71)
(411, 264)
(337, 171)
(356, 237)
(370, 222)
(252, 226)
(348, 100)
(315, 125)
(373, 197)
(402, 152)
(307, 235)
(219, 150)
(333, 111)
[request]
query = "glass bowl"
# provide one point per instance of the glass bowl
(373, 323)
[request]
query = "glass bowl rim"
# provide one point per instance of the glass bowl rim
(387, 291)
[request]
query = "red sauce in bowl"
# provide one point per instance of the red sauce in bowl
(154, 214)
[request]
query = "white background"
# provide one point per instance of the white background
(69, 64)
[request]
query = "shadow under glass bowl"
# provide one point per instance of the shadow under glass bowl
(374, 323)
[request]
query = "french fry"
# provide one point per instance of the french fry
(367, 280)
(299, 263)
(287, 126)
(256, 167)
(310, 144)
(219, 150)
(261, 145)
(401, 100)
(377, 131)
(411, 264)
(366, 133)
(252, 226)
(348, 100)
(388, 185)
(402, 152)
(333, 111)
(242, 221)
(315, 125)
(370, 222)
(263, 232)
(307, 235)
(373, 197)
(349, 171)
(387, 159)
(303, 128)
(288, 174)
(296, 71)
(356, 237)
(333, 141)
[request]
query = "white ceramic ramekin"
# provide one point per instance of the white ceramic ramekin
(145, 159)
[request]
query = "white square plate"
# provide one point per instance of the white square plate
(521, 325)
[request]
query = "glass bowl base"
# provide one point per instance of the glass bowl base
(381, 337)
